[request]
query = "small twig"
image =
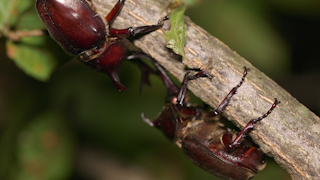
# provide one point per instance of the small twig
(17, 35)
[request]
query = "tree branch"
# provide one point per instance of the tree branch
(290, 134)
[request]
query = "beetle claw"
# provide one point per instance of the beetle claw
(163, 19)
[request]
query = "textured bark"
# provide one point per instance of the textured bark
(290, 134)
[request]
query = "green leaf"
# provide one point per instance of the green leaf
(19, 8)
(45, 149)
(5, 12)
(35, 56)
(29, 20)
(176, 37)
(11, 10)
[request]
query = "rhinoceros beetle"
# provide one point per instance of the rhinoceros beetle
(80, 30)
(207, 143)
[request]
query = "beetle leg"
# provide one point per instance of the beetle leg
(181, 111)
(226, 100)
(146, 70)
(115, 11)
(251, 125)
(133, 31)
(183, 89)
(172, 89)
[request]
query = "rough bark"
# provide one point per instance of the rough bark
(290, 134)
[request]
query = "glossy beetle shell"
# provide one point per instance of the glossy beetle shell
(80, 31)
(201, 142)
(205, 141)
(73, 24)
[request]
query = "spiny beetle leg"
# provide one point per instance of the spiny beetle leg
(145, 69)
(226, 100)
(251, 125)
(179, 107)
(172, 89)
(186, 79)
(133, 31)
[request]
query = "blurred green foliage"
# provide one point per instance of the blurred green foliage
(43, 125)
(20, 15)
(45, 147)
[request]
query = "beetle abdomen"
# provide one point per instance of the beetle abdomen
(203, 157)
